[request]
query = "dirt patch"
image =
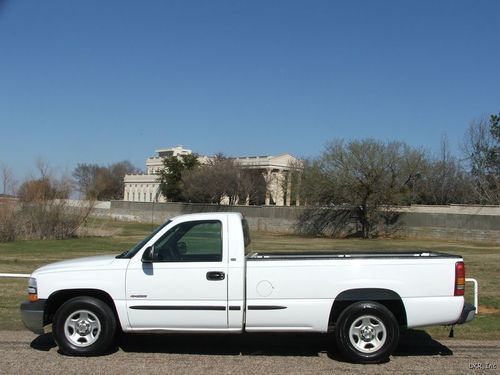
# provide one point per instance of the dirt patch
(485, 310)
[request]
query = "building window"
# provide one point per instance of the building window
(128, 195)
(150, 197)
(144, 197)
(133, 196)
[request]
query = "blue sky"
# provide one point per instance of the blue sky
(103, 81)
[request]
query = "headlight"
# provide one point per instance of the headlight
(32, 290)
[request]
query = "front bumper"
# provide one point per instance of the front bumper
(32, 315)
(468, 313)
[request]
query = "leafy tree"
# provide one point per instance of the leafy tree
(170, 176)
(359, 179)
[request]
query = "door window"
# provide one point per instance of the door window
(193, 241)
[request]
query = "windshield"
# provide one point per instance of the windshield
(131, 252)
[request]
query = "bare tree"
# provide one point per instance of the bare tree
(251, 186)
(481, 149)
(223, 180)
(443, 180)
(360, 180)
(102, 182)
(212, 182)
(43, 211)
(8, 181)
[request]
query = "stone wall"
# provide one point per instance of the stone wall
(265, 218)
(455, 222)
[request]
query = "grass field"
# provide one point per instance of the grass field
(482, 262)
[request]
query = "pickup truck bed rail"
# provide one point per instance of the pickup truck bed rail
(350, 255)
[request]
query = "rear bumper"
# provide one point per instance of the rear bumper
(32, 315)
(468, 313)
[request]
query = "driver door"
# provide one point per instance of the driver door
(185, 285)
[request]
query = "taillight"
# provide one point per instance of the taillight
(459, 278)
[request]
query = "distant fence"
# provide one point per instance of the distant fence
(15, 275)
(454, 222)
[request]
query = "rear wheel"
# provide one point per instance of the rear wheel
(84, 326)
(366, 332)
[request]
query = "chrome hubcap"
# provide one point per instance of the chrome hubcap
(82, 328)
(367, 333)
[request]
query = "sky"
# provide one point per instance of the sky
(103, 81)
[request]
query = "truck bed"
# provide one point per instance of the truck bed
(342, 255)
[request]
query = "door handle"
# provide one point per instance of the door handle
(216, 275)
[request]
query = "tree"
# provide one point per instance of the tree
(482, 150)
(443, 180)
(170, 176)
(212, 182)
(252, 186)
(44, 188)
(44, 211)
(222, 179)
(360, 180)
(85, 176)
(8, 180)
(102, 182)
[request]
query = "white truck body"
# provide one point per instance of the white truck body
(254, 292)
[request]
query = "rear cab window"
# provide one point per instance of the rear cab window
(246, 235)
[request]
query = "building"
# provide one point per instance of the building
(275, 171)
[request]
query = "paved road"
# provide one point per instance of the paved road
(23, 352)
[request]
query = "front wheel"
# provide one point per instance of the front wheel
(84, 326)
(367, 332)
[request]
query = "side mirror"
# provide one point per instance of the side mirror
(148, 255)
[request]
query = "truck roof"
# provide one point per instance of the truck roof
(208, 215)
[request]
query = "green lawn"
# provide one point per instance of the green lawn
(482, 262)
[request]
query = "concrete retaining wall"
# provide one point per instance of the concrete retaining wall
(456, 222)
(270, 218)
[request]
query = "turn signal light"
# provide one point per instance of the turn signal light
(32, 290)
(459, 278)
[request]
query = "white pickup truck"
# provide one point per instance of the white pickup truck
(192, 275)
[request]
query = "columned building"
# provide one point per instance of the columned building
(277, 172)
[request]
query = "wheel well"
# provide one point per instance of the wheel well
(56, 299)
(386, 297)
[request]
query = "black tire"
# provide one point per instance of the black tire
(84, 326)
(366, 332)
